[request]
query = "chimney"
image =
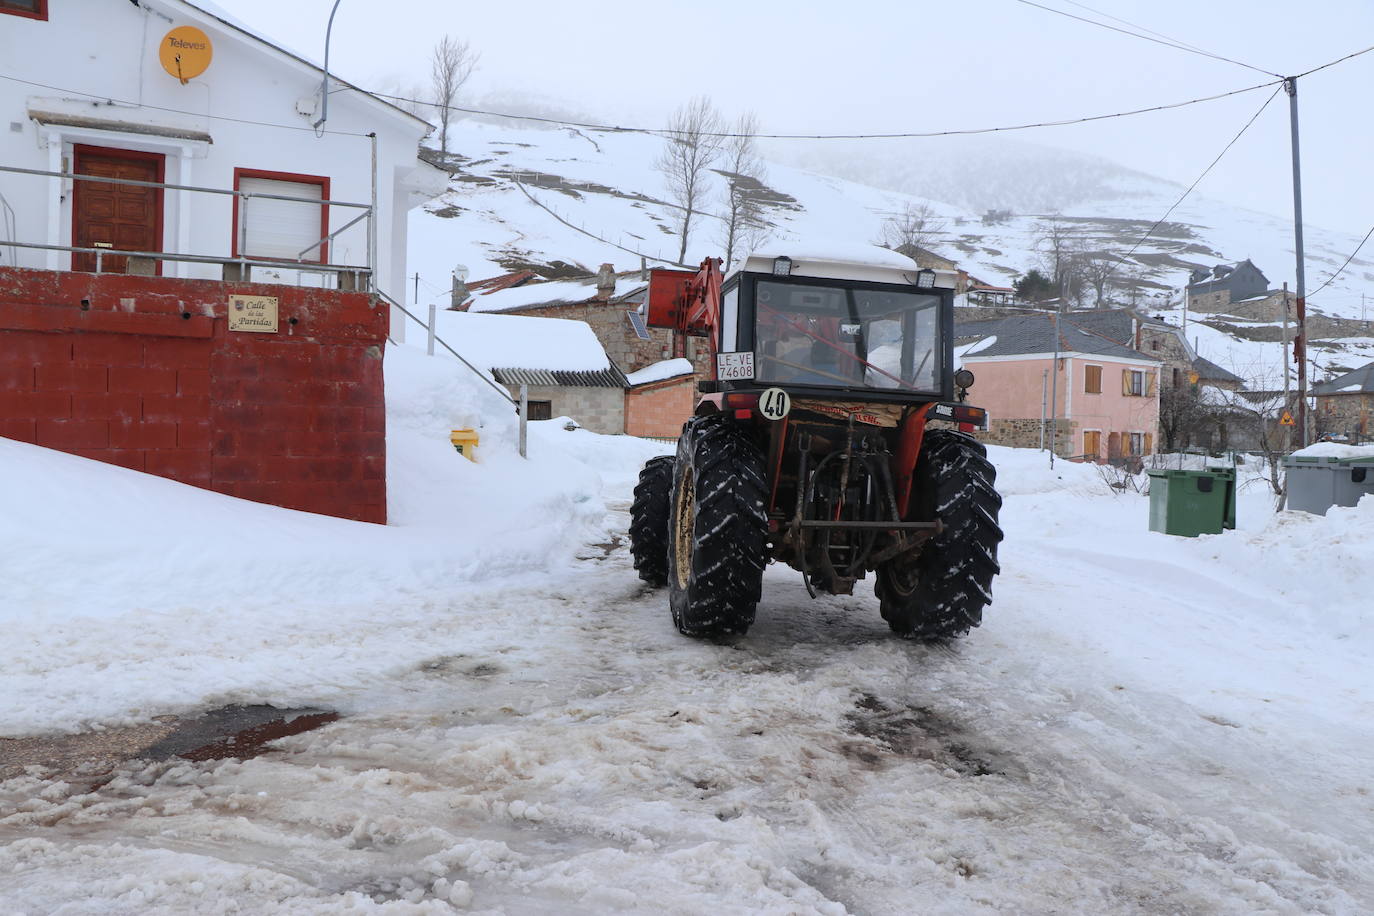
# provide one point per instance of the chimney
(605, 282)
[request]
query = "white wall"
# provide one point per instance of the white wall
(102, 57)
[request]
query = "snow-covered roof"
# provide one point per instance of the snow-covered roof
(1035, 334)
(554, 292)
(657, 372)
(515, 342)
(1357, 381)
(844, 259)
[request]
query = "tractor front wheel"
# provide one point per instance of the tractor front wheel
(940, 591)
(718, 529)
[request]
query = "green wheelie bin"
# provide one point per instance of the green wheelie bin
(1189, 503)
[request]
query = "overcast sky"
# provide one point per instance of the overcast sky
(873, 66)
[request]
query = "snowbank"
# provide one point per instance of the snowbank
(125, 595)
(1335, 450)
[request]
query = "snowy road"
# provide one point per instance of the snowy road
(578, 756)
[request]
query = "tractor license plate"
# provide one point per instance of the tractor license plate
(735, 366)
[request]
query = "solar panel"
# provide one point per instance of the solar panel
(637, 322)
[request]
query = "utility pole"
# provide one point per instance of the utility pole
(417, 287)
(1054, 389)
(1286, 397)
(1290, 85)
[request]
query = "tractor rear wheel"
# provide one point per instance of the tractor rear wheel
(649, 520)
(717, 530)
(940, 591)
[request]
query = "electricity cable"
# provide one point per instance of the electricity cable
(665, 132)
(1167, 44)
(1341, 269)
(1177, 41)
(1159, 222)
(1333, 63)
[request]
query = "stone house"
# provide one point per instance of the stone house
(1344, 405)
(1212, 290)
(655, 404)
(609, 304)
(566, 371)
(1161, 340)
(1044, 375)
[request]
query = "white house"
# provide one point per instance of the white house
(179, 93)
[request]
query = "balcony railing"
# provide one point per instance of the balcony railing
(235, 267)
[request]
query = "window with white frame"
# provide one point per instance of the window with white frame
(268, 227)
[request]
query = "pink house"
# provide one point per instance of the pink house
(1041, 375)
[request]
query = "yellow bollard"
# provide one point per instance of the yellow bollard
(465, 441)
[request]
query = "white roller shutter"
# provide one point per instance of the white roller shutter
(279, 229)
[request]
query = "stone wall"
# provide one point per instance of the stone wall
(1345, 414)
(1026, 434)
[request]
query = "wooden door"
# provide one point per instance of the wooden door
(116, 216)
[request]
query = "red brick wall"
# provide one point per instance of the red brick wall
(143, 372)
(660, 409)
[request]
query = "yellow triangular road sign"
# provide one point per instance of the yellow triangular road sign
(1286, 419)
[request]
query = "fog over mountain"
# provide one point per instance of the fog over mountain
(977, 173)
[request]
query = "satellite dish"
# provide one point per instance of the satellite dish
(185, 52)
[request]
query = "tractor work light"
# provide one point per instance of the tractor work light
(925, 279)
(782, 267)
(963, 379)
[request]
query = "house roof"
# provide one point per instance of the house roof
(1203, 277)
(605, 378)
(1356, 381)
(1021, 335)
(215, 11)
(533, 351)
(525, 294)
(1207, 369)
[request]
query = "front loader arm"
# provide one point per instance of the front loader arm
(686, 302)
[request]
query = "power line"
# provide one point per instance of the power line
(1168, 44)
(1159, 222)
(1333, 63)
(1340, 269)
(194, 114)
(1177, 41)
(660, 132)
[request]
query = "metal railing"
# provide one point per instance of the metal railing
(244, 261)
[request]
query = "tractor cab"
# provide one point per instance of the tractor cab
(825, 326)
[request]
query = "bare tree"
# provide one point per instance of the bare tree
(744, 173)
(917, 226)
(693, 146)
(1098, 270)
(450, 65)
(1060, 255)
(1185, 416)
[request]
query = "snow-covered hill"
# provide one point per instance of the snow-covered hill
(565, 201)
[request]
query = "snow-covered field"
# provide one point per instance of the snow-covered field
(1144, 724)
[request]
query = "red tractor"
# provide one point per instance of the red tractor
(814, 446)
